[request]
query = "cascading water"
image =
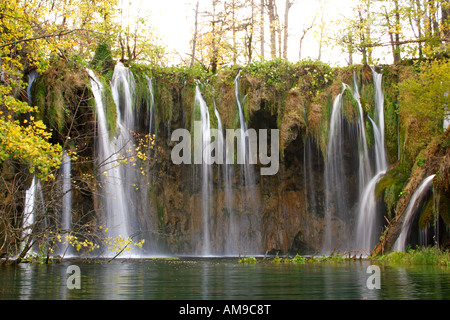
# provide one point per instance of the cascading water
(380, 148)
(337, 201)
(244, 143)
(366, 235)
(31, 78)
(308, 177)
(206, 194)
(32, 196)
(123, 88)
(151, 106)
(446, 122)
(334, 172)
(34, 192)
(227, 232)
(364, 162)
(367, 212)
(401, 242)
(66, 209)
(115, 203)
(247, 224)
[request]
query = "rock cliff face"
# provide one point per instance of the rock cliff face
(275, 214)
(280, 217)
(436, 161)
(185, 209)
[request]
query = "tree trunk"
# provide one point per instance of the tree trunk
(397, 56)
(394, 43)
(286, 27)
(194, 42)
(233, 27)
(214, 57)
(322, 27)
(304, 32)
(262, 29)
(272, 29)
(249, 40)
(445, 22)
(419, 27)
(350, 50)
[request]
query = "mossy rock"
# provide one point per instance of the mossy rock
(102, 60)
(427, 215)
(57, 94)
(389, 188)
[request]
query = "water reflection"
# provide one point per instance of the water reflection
(221, 279)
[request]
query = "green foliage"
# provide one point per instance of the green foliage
(102, 61)
(298, 259)
(110, 108)
(391, 115)
(390, 187)
(427, 217)
(418, 256)
(29, 144)
(281, 75)
(424, 101)
(166, 259)
(248, 260)
(350, 106)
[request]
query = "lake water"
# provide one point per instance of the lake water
(222, 279)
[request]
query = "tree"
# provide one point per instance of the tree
(213, 46)
(321, 35)
(394, 28)
(288, 6)
(305, 30)
(262, 14)
(445, 21)
(424, 102)
(249, 25)
(137, 39)
(272, 27)
(194, 42)
(356, 33)
(426, 96)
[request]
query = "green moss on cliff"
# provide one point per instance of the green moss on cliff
(390, 187)
(57, 93)
(102, 61)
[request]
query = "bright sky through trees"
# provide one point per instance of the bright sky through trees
(174, 21)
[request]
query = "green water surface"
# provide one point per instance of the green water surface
(221, 279)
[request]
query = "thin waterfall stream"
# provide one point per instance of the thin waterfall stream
(401, 242)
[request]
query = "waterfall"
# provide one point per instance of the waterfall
(66, 210)
(337, 199)
(364, 163)
(366, 235)
(308, 178)
(122, 88)
(380, 148)
(248, 224)
(30, 209)
(228, 232)
(245, 146)
(114, 195)
(334, 172)
(151, 105)
(401, 242)
(31, 78)
(35, 189)
(206, 194)
(446, 122)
